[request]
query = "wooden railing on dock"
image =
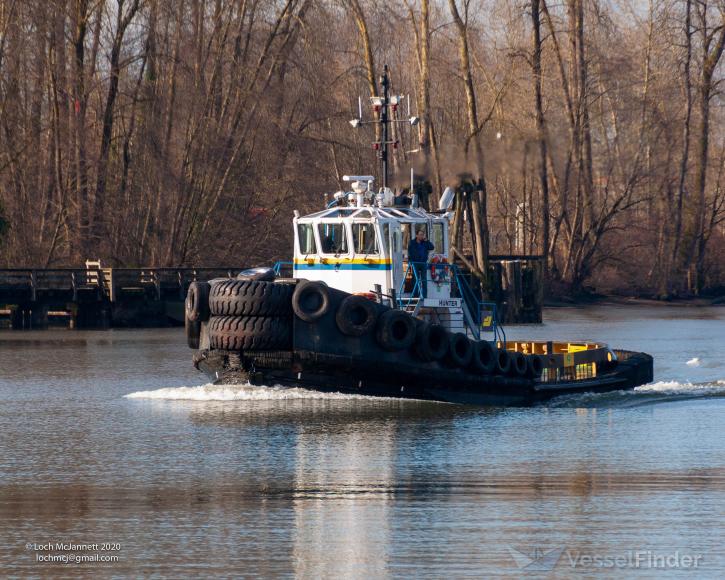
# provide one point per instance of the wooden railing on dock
(93, 295)
(18, 285)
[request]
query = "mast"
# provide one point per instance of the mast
(381, 105)
(383, 151)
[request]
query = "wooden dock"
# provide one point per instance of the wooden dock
(95, 297)
(516, 286)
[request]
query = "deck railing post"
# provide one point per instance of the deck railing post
(393, 298)
(112, 285)
(157, 283)
(33, 285)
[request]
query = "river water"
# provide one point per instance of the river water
(112, 442)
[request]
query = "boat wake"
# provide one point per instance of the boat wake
(212, 392)
(659, 392)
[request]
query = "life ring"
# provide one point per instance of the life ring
(439, 268)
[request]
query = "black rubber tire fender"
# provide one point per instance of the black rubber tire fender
(261, 274)
(288, 281)
(460, 350)
(431, 342)
(395, 330)
(518, 364)
(250, 333)
(303, 281)
(534, 366)
(192, 328)
(196, 306)
(250, 298)
(503, 361)
(483, 359)
(311, 301)
(356, 316)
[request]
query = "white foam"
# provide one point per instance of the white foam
(661, 391)
(211, 392)
(678, 388)
(693, 362)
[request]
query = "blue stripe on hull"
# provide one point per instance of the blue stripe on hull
(343, 267)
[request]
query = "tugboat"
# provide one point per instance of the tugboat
(358, 317)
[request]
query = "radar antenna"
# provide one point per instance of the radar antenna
(381, 105)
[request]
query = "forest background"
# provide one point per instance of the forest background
(185, 132)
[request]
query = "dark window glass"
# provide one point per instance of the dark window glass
(333, 238)
(306, 236)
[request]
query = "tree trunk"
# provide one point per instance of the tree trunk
(675, 258)
(80, 105)
(478, 197)
(710, 57)
(541, 131)
(368, 58)
(99, 204)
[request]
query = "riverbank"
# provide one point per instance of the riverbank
(618, 300)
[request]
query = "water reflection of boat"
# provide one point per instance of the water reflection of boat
(321, 415)
(332, 327)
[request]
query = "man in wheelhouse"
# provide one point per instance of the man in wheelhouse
(418, 250)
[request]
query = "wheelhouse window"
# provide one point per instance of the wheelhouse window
(386, 237)
(438, 238)
(306, 239)
(333, 238)
(405, 230)
(364, 239)
(410, 229)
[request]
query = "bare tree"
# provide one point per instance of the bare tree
(476, 198)
(163, 132)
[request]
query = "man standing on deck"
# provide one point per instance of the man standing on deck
(418, 249)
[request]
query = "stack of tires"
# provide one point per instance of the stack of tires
(478, 357)
(241, 314)
(517, 364)
(256, 314)
(395, 330)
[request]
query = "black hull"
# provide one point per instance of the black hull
(323, 356)
(334, 374)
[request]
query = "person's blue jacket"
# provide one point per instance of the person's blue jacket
(418, 251)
